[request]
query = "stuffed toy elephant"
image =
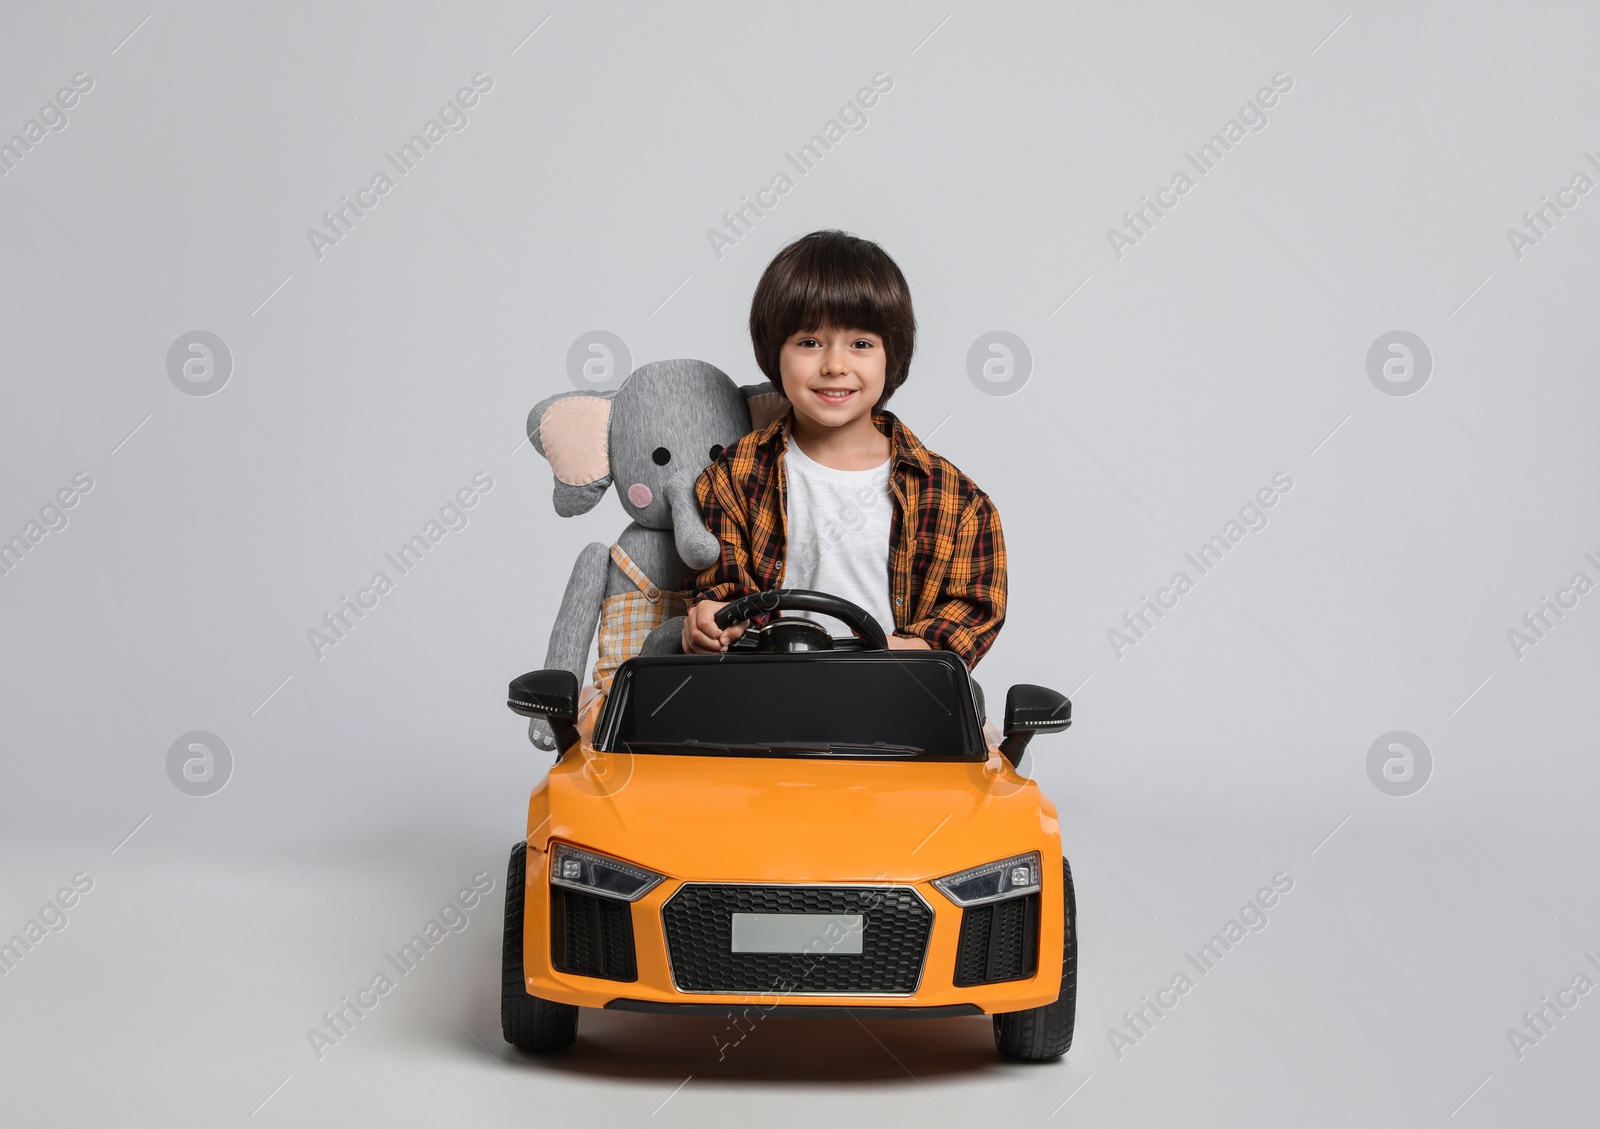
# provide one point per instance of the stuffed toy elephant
(650, 438)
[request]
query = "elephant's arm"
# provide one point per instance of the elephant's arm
(580, 611)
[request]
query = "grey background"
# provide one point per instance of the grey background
(1168, 385)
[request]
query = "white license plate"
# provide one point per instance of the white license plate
(797, 932)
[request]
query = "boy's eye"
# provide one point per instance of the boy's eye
(662, 456)
(716, 450)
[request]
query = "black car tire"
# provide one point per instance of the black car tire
(1041, 1034)
(527, 1021)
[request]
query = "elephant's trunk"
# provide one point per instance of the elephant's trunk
(698, 548)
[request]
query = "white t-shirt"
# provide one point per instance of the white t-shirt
(838, 535)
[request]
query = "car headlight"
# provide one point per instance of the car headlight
(597, 874)
(993, 881)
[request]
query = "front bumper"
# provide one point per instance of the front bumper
(648, 982)
(811, 1011)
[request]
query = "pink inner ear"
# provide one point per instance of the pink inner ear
(639, 494)
(573, 431)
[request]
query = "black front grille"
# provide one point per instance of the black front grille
(591, 936)
(999, 941)
(698, 920)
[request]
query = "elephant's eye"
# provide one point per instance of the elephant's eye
(662, 456)
(716, 451)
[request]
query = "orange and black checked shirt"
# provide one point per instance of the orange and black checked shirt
(947, 557)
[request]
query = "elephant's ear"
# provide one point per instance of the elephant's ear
(569, 429)
(766, 403)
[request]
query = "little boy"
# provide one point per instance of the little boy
(836, 494)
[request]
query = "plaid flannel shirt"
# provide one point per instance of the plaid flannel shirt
(947, 556)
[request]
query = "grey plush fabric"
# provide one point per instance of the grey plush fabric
(580, 610)
(575, 625)
(696, 545)
(666, 639)
(682, 408)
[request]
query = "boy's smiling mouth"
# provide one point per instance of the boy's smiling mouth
(834, 395)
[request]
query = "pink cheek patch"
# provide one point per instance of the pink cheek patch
(639, 494)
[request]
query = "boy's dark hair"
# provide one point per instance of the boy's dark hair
(834, 278)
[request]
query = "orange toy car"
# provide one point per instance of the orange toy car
(799, 825)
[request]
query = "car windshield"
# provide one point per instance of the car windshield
(846, 706)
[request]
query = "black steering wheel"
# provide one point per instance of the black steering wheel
(855, 617)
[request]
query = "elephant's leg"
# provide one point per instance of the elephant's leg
(666, 639)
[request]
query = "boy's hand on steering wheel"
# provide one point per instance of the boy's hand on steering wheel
(702, 636)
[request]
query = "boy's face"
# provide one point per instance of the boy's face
(833, 376)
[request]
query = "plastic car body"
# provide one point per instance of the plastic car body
(795, 827)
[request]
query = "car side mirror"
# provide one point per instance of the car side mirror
(552, 695)
(1030, 710)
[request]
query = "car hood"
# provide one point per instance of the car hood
(762, 819)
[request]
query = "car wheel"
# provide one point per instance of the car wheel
(1041, 1034)
(527, 1021)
